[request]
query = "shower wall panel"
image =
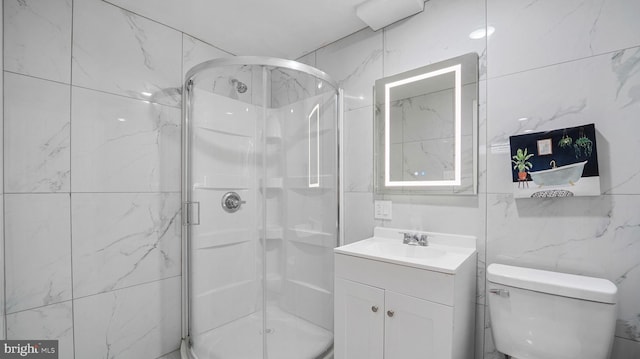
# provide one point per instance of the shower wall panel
(225, 280)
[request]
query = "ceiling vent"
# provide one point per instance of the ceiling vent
(380, 13)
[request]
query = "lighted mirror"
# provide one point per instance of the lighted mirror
(426, 129)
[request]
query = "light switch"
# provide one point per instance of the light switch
(382, 210)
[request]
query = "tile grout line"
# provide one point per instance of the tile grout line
(108, 2)
(73, 309)
(559, 63)
(96, 294)
(70, 83)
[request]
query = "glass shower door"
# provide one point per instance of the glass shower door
(302, 143)
(225, 254)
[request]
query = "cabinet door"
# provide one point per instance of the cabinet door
(416, 328)
(359, 321)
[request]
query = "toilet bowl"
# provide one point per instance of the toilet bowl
(537, 314)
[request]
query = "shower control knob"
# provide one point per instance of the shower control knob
(374, 308)
(231, 202)
(390, 313)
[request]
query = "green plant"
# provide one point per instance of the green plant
(521, 160)
(583, 145)
(565, 141)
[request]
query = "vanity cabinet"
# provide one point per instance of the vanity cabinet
(389, 310)
(359, 320)
(377, 323)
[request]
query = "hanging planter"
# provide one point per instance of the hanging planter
(583, 146)
(565, 141)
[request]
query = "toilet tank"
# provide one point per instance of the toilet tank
(538, 314)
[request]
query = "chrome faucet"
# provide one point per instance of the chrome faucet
(412, 239)
(423, 241)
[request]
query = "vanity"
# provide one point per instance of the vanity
(405, 301)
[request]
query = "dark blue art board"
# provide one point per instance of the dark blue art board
(564, 163)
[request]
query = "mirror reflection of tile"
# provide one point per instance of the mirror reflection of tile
(428, 128)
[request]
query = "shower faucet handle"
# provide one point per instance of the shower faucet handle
(231, 202)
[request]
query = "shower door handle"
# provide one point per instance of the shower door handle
(191, 213)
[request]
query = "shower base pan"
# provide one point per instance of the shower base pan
(288, 337)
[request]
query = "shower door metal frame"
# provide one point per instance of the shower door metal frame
(186, 199)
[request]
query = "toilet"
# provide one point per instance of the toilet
(537, 314)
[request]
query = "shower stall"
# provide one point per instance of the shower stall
(260, 209)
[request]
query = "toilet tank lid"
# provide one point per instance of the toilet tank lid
(567, 285)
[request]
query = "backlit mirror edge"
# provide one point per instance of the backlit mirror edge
(471, 187)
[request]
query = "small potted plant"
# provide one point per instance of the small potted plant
(521, 163)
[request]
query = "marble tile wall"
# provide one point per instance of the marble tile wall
(581, 65)
(92, 190)
(92, 194)
(556, 64)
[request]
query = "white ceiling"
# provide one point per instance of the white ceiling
(278, 28)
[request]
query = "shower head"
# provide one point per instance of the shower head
(241, 87)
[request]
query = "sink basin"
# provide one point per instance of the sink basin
(445, 252)
(384, 247)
